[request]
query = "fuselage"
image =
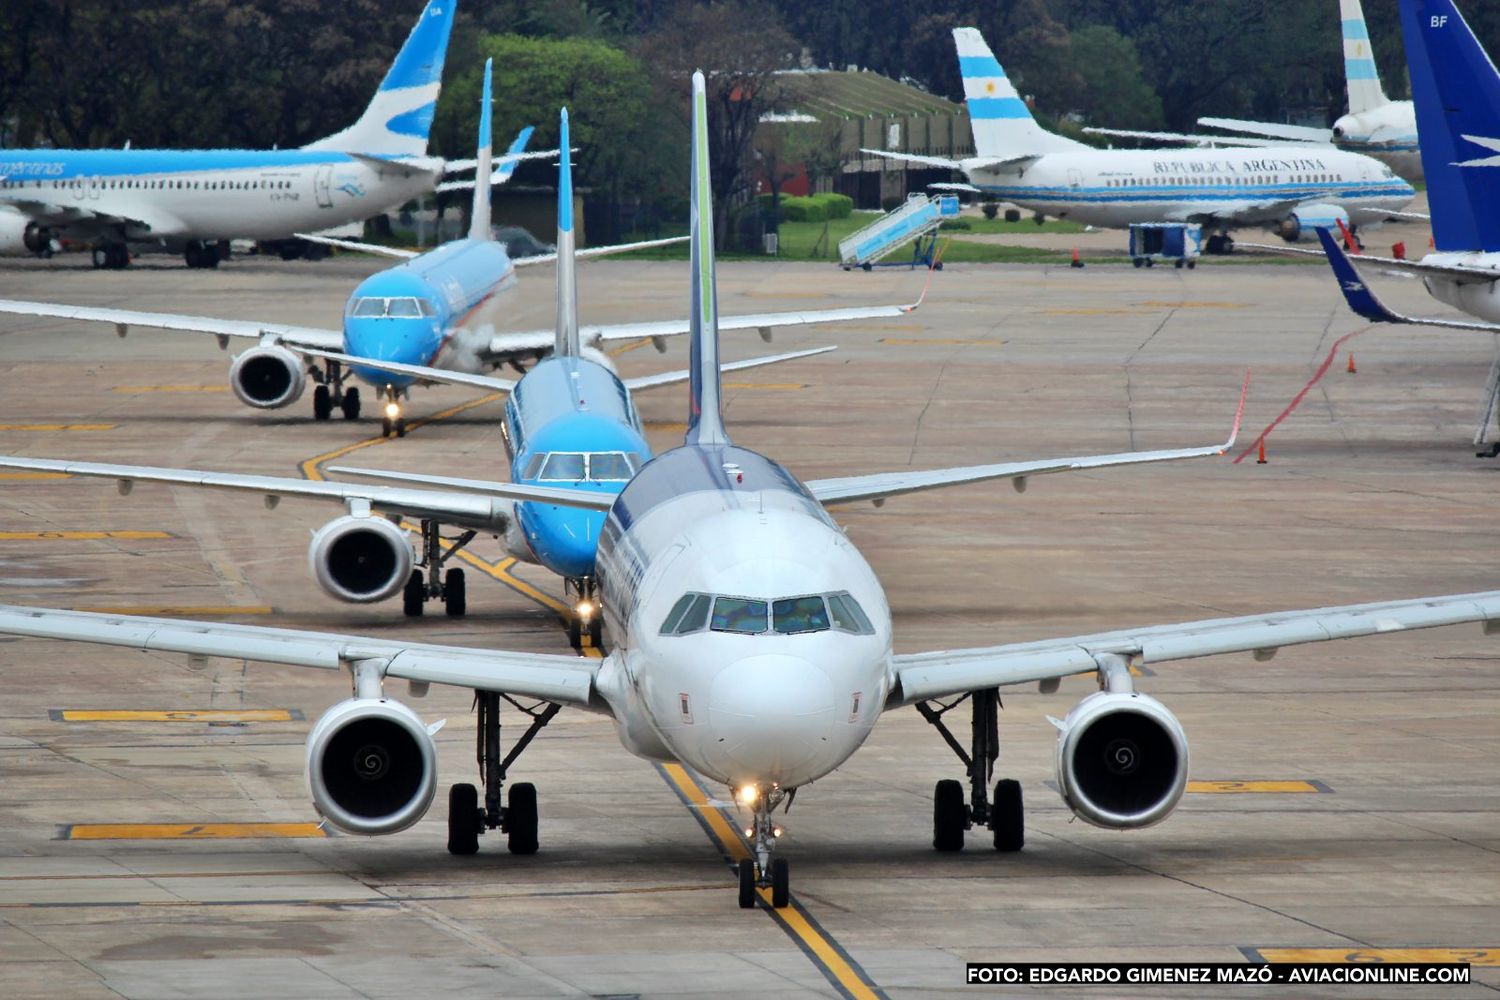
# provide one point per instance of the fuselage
(177, 195)
(1475, 296)
(752, 640)
(1114, 188)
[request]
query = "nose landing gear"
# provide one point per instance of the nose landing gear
(392, 421)
(762, 872)
(586, 617)
(1004, 815)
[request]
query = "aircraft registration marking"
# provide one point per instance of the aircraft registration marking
(189, 831)
(1487, 956)
(58, 427)
(169, 388)
(176, 715)
(1284, 787)
(179, 610)
(79, 536)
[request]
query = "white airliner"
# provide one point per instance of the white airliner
(195, 201)
(1374, 124)
(753, 644)
(1292, 188)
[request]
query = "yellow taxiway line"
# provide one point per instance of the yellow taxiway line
(176, 715)
(1488, 956)
(1269, 787)
(189, 831)
(78, 536)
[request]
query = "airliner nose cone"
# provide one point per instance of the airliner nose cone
(772, 719)
(565, 539)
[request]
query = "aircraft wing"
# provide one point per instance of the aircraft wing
(939, 161)
(489, 514)
(546, 258)
(486, 382)
(567, 680)
(880, 486)
(921, 676)
(560, 495)
(1182, 137)
(358, 247)
(123, 319)
(672, 378)
(1364, 302)
(1246, 210)
(1276, 130)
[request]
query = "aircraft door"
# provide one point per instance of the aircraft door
(323, 185)
(1075, 179)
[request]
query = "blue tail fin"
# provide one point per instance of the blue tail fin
(567, 283)
(705, 417)
(1457, 94)
(399, 118)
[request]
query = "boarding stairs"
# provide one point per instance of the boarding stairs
(919, 217)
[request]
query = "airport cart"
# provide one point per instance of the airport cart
(1163, 241)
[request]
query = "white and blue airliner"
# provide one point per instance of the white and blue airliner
(753, 644)
(194, 201)
(569, 420)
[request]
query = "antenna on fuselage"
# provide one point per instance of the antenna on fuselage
(705, 419)
(479, 221)
(567, 345)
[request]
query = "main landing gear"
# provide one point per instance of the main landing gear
(330, 392)
(761, 872)
(111, 256)
(1219, 243)
(586, 618)
(198, 254)
(437, 585)
(391, 419)
(951, 814)
(517, 819)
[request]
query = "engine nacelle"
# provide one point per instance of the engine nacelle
(267, 377)
(360, 559)
(371, 766)
(20, 236)
(1122, 760)
(1303, 224)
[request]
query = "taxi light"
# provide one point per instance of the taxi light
(585, 609)
(392, 410)
(749, 832)
(777, 831)
(747, 795)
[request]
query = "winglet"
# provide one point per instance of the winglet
(1356, 293)
(479, 222)
(705, 419)
(567, 345)
(1239, 414)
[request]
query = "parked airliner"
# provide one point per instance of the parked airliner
(754, 645)
(1292, 188)
(195, 201)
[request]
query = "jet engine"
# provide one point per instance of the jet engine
(20, 236)
(360, 559)
(371, 766)
(1122, 760)
(267, 377)
(1302, 225)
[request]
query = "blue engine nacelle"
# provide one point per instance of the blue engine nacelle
(1303, 224)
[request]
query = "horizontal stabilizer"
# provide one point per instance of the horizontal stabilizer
(964, 188)
(585, 499)
(358, 247)
(1364, 302)
(1276, 130)
(547, 258)
(926, 161)
(1182, 137)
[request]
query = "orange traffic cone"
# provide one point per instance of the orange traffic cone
(1077, 260)
(1260, 456)
(1351, 369)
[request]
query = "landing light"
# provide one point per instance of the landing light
(585, 609)
(392, 410)
(747, 795)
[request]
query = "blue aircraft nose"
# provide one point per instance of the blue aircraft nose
(407, 341)
(565, 539)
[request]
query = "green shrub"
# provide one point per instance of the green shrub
(803, 210)
(838, 206)
(956, 224)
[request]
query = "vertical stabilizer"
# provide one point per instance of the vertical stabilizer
(399, 118)
(1456, 91)
(479, 221)
(705, 419)
(1365, 93)
(567, 284)
(1001, 121)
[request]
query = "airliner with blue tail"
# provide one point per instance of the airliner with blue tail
(1292, 188)
(195, 201)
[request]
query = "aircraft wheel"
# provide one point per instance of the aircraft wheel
(1007, 818)
(747, 884)
(385, 427)
(575, 632)
(949, 815)
(401, 427)
(1178, 263)
(291, 250)
(454, 593)
(322, 403)
(1150, 262)
(521, 818)
(1192, 264)
(1136, 262)
(781, 884)
(596, 631)
(119, 256)
(413, 595)
(101, 257)
(866, 265)
(463, 819)
(351, 404)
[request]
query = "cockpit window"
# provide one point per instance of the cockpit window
(563, 466)
(402, 308)
(799, 614)
(610, 467)
(534, 466)
(365, 308)
(689, 614)
(738, 614)
(426, 307)
(848, 616)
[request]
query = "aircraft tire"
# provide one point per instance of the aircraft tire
(351, 405)
(463, 819)
(747, 884)
(401, 427)
(596, 631)
(781, 884)
(575, 632)
(322, 403)
(1007, 817)
(413, 595)
(455, 597)
(385, 427)
(521, 818)
(949, 814)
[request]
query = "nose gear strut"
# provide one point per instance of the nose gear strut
(762, 872)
